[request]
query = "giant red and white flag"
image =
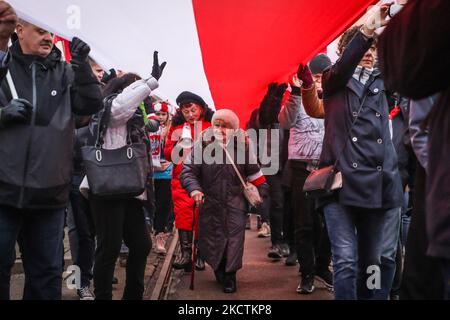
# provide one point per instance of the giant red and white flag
(227, 51)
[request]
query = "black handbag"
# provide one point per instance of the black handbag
(324, 181)
(119, 173)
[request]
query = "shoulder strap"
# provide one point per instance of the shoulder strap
(234, 166)
(104, 120)
(12, 87)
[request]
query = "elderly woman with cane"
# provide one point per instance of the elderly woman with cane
(219, 187)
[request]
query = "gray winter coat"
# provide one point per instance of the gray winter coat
(306, 133)
(223, 216)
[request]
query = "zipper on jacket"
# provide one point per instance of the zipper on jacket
(33, 120)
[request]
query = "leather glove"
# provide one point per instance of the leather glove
(271, 104)
(83, 73)
(281, 89)
(17, 111)
(79, 51)
(157, 69)
(109, 76)
(305, 75)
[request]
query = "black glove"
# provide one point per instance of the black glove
(271, 104)
(17, 111)
(82, 70)
(275, 91)
(279, 93)
(157, 69)
(79, 51)
(107, 77)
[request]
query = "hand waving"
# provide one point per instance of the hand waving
(157, 69)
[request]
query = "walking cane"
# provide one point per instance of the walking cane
(194, 251)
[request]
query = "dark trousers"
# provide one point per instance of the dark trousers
(42, 244)
(288, 221)
(276, 208)
(114, 220)
(83, 251)
(163, 199)
(445, 265)
(422, 277)
(149, 205)
(264, 211)
(310, 234)
(404, 227)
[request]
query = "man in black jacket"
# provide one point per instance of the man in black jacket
(39, 95)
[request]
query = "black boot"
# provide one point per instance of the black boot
(184, 260)
(199, 264)
(220, 271)
(220, 275)
(229, 282)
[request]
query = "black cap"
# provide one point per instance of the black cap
(188, 97)
(319, 63)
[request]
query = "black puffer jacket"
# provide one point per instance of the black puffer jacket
(36, 159)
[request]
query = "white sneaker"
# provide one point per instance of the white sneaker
(160, 245)
(85, 294)
(265, 231)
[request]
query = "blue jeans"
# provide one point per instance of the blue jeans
(406, 220)
(356, 244)
(42, 244)
(391, 234)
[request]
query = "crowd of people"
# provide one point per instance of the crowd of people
(376, 122)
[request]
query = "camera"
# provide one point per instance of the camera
(394, 9)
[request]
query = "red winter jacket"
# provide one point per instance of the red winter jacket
(183, 204)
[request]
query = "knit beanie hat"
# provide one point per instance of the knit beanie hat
(319, 63)
(226, 116)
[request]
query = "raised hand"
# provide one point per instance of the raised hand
(157, 69)
(281, 89)
(377, 19)
(109, 76)
(79, 51)
(305, 76)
